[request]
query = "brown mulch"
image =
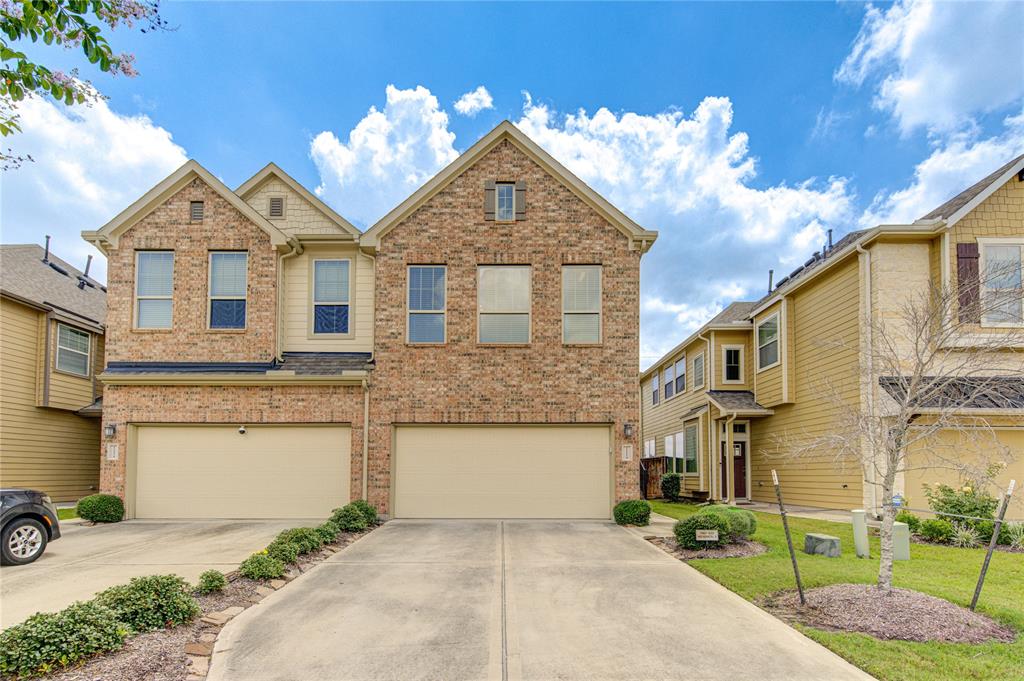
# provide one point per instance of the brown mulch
(738, 549)
(903, 614)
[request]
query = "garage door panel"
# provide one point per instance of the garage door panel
(502, 472)
(214, 472)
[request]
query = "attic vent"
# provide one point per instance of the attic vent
(276, 207)
(196, 211)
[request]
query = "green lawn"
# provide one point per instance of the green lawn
(945, 572)
(66, 513)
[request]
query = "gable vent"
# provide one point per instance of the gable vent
(196, 211)
(276, 207)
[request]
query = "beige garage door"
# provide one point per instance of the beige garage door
(502, 472)
(214, 472)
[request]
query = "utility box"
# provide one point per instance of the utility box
(860, 534)
(900, 541)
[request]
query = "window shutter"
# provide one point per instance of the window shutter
(489, 200)
(968, 295)
(520, 200)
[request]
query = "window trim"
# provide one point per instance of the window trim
(312, 303)
(600, 301)
(676, 364)
(668, 383)
(528, 313)
(725, 364)
(88, 353)
(778, 339)
(210, 297)
(409, 311)
(137, 297)
(497, 200)
(703, 371)
(983, 242)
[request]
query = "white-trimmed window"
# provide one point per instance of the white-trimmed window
(331, 296)
(690, 449)
(581, 304)
(669, 380)
(505, 201)
(228, 285)
(670, 450)
(1002, 273)
(427, 303)
(154, 285)
(732, 364)
(698, 371)
(503, 304)
(681, 374)
(649, 449)
(73, 347)
(656, 392)
(768, 342)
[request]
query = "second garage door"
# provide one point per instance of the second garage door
(216, 472)
(502, 472)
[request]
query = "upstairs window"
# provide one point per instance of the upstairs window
(698, 371)
(505, 202)
(154, 275)
(656, 391)
(732, 356)
(330, 296)
(581, 304)
(228, 276)
(195, 211)
(73, 350)
(1002, 294)
(669, 380)
(503, 302)
(681, 374)
(768, 342)
(426, 322)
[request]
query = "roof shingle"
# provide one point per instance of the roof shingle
(24, 274)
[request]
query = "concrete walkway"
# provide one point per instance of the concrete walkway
(533, 600)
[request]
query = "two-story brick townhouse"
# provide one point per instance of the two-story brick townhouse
(473, 354)
(717, 406)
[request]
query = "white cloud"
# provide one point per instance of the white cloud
(89, 164)
(388, 155)
(936, 64)
(474, 101)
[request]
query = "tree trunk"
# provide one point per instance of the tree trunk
(888, 517)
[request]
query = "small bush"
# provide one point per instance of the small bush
(985, 529)
(101, 508)
(912, 521)
(328, 532)
(937, 530)
(210, 581)
(742, 523)
(686, 530)
(153, 602)
(285, 551)
(349, 518)
(261, 566)
(964, 536)
(671, 485)
(632, 512)
(306, 538)
(369, 511)
(966, 500)
(48, 642)
(1015, 535)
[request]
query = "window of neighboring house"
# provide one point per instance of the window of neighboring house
(73, 350)
(276, 207)
(649, 449)
(654, 386)
(505, 201)
(670, 453)
(681, 374)
(698, 371)
(228, 284)
(195, 211)
(768, 342)
(689, 461)
(581, 304)
(154, 284)
(732, 361)
(330, 296)
(1002, 293)
(503, 303)
(426, 323)
(669, 382)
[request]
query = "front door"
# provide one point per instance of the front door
(739, 466)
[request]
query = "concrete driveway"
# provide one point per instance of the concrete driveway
(533, 600)
(89, 559)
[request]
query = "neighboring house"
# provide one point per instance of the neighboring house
(52, 348)
(472, 354)
(716, 407)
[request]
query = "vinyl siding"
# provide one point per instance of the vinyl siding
(68, 391)
(723, 338)
(300, 217)
(768, 383)
(51, 450)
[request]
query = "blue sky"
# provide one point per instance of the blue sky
(741, 131)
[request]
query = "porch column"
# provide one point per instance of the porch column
(730, 463)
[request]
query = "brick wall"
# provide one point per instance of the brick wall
(544, 382)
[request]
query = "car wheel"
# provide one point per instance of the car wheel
(23, 540)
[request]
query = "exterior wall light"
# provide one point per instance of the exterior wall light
(109, 430)
(627, 430)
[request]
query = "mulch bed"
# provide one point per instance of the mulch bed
(915, 539)
(739, 549)
(900, 615)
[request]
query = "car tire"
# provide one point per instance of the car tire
(22, 541)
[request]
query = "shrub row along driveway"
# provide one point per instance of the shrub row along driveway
(511, 600)
(89, 559)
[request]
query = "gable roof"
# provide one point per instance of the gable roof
(109, 233)
(24, 276)
(964, 202)
(271, 170)
(735, 314)
(643, 238)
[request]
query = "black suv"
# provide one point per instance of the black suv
(29, 522)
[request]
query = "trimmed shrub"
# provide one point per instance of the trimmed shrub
(261, 566)
(153, 602)
(328, 532)
(742, 523)
(912, 521)
(686, 530)
(671, 484)
(210, 581)
(285, 551)
(48, 642)
(349, 518)
(985, 529)
(632, 512)
(306, 538)
(101, 508)
(937, 530)
(368, 510)
(964, 536)
(964, 500)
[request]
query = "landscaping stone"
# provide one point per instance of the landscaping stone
(215, 618)
(208, 637)
(232, 611)
(201, 649)
(198, 665)
(264, 591)
(276, 583)
(821, 545)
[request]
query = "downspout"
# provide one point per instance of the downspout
(46, 358)
(366, 436)
(296, 250)
(869, 361)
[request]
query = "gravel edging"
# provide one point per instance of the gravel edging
(743, 548)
